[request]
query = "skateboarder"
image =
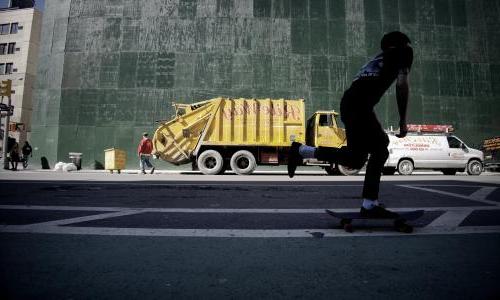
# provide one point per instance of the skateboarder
(364, 133)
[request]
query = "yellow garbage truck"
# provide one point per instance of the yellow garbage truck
(238, 134)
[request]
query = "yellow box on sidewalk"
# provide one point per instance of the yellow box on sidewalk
(114, 159)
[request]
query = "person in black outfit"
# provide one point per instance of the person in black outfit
(26, 151)
(364, 133)
(14, 156)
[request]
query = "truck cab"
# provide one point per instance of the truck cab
(323, 131)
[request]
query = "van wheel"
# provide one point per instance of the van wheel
(405, 167)
(243, 162)
(389, 171)
(210, 162)
(347, 171)
(474, 167)
(449, 171)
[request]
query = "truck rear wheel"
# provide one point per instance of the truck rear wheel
(331, 170)
(210, 162)
(405, 167)
(347, 171)
(243, 162)
(474, 167)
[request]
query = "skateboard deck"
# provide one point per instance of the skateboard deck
(399, 222)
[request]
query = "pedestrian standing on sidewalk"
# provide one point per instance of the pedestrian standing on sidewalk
(144, 152)
(27, 151)
(363, 131)
(14, 156)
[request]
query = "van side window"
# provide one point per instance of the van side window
(453, 142)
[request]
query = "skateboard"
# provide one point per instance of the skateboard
(399, 223)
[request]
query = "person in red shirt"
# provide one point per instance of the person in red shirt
(144, 151)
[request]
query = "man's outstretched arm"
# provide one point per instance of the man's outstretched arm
(402, 95)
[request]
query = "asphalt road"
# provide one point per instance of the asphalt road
(96, 235)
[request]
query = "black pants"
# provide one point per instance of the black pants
(365, 136)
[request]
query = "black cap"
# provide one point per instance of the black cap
(394, 39)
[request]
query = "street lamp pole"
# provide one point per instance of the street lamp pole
(6, 91)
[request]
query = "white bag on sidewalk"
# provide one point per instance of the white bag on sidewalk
(61, 166)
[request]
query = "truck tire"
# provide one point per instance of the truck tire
(243, 162)
(347, 171)
(405, 167)
(474, 167)
(331, 170)
(210, 162)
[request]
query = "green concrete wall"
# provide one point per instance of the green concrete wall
(110, 68)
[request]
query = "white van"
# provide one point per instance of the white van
(443, 152)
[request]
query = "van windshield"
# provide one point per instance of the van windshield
(454, 142)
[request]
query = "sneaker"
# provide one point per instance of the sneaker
(143, 172)
(378, 212)
(152, 170)
(294, 158)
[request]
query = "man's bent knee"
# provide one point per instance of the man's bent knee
(379, 156)
(381, 151)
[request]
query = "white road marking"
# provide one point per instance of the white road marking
(56, 207)
(483, 193)
(239, 233)
(449, 185)
(229, 210)
(421, 188)
(87, 218)
(451, 218)
(197, 184)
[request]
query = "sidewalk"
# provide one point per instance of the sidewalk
(305, 175)
(278, 171)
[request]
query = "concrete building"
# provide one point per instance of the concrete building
(20, 30)
(109, 69)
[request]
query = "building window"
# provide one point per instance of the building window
(2, 69)
(4, 29)
(3, 48)
(13, 28)
(8, 68)
(12, 48)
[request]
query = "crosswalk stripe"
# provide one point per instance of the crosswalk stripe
(243, 233)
